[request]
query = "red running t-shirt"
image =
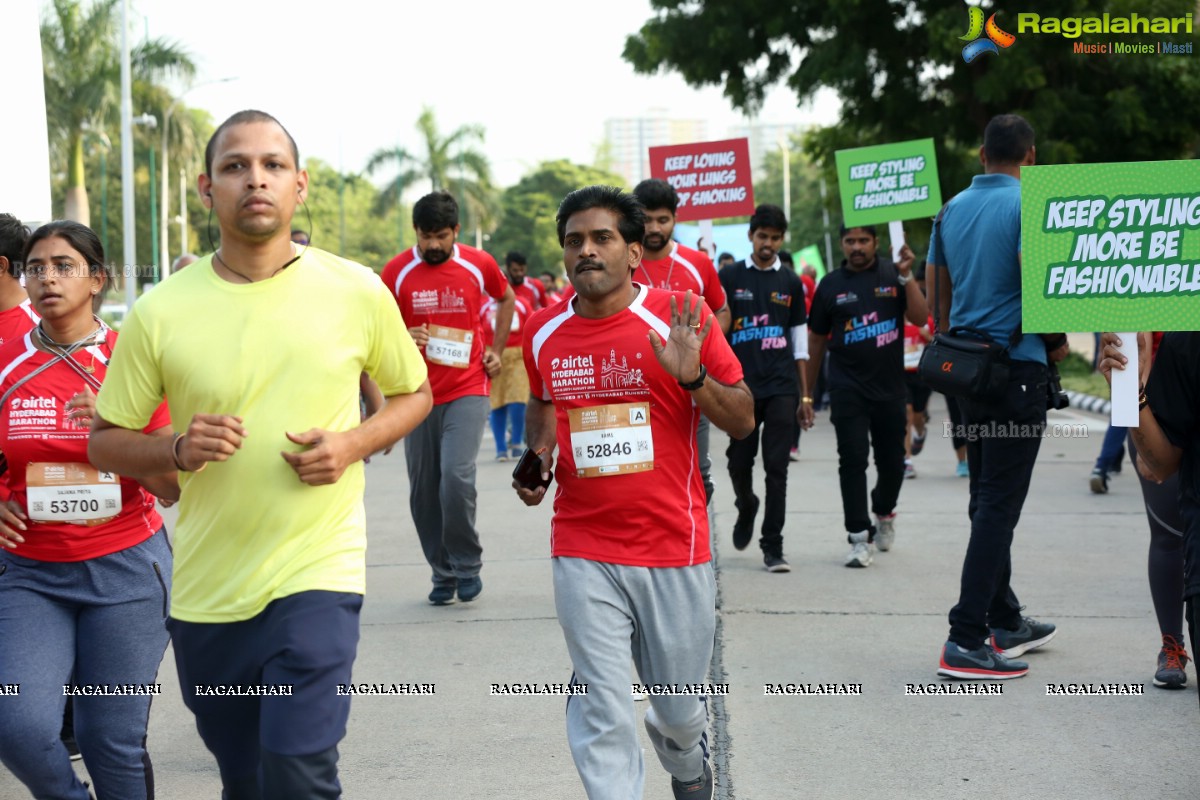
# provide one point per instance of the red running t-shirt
(516, 329)
(532, 291)
(17, 321)
(682, 269)
(628, 492)
(449, 299)
(34, 430)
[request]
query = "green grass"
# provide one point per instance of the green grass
(1077, 376)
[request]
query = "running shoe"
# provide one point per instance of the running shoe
(699, 789)
(515, 452)
(885, 532)
(501, 457)
(962, 471)
(861, 551)
(980, 664)
(469, 588)
(442, 595)
(1099, 482)
(743, 529)
(909, 470)
(1031, 634)
(1172, 663)
(794, 454)
(776, 563)
(918, 444)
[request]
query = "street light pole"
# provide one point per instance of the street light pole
(127, 161)
(787, 176)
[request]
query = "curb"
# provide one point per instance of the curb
(1087, 402)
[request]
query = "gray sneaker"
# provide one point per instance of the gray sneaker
(861, 551)
(981, 664)
(699, 789)
(1031, 634)
(885, 532)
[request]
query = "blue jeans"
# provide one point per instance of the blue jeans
(1003, 438)
(1110, 448)
(103, 619)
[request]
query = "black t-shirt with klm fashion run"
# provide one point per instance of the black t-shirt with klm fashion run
(764, 306)
(864, 312)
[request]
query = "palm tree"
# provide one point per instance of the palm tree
(450, 163)
(82, 63)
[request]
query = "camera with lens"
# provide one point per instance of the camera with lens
(1056, 398)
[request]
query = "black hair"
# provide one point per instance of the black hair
(786, 258)
(868, 228)
(82, 240)
(655, 193)
(244, 118)
(435, 211)
(515, 257)
(768, 216)
(1007, 139)
(724, 256)
(299, 230)
(631, 216)
(13, 235)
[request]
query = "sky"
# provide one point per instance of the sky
(350, 77)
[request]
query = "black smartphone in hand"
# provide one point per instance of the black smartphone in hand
(528, 472)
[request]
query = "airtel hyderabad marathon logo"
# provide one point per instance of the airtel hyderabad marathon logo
(976, 45)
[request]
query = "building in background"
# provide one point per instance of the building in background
(629, 139)
(764, 137)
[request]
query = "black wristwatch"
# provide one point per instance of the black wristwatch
(696, 384)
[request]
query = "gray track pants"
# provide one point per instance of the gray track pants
(440, 455)
(666, 618)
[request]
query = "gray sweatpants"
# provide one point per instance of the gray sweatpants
(665, 617)
(440, 455)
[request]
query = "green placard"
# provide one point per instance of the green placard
(1111, 247)
(811, 255)
(888, 182)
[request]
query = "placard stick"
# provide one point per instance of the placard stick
(896, 234)
(1125, 384)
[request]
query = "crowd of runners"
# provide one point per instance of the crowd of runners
(221, 395)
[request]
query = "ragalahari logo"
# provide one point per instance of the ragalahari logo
(977, 45)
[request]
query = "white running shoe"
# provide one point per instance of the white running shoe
(861, 551)
(885, 532)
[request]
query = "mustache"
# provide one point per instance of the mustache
(588, 264)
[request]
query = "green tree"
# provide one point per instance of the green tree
(82, 69)
(451, 163)
(528, 209)
(899, 72)
(342, 220)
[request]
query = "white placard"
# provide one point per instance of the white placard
(1125, 384)
(896, 234)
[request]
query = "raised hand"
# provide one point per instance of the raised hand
(680, 354)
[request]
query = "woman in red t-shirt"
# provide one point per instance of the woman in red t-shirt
(85, 566)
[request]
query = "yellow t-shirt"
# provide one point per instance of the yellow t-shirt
(283, 354)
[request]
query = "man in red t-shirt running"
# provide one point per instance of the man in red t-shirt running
(440, 286)
(618, 379)
(667, 264)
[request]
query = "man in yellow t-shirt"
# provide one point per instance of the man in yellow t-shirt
(259, 349)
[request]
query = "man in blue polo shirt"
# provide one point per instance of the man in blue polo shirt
(976, 252)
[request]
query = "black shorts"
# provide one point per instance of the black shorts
(918, 392)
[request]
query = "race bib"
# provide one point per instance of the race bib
(912, 353)
(450, 347)
(75, 493)
(611, 439)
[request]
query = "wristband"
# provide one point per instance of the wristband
(904, 279)
(179, 437)
(806, 400)
(696, 384)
